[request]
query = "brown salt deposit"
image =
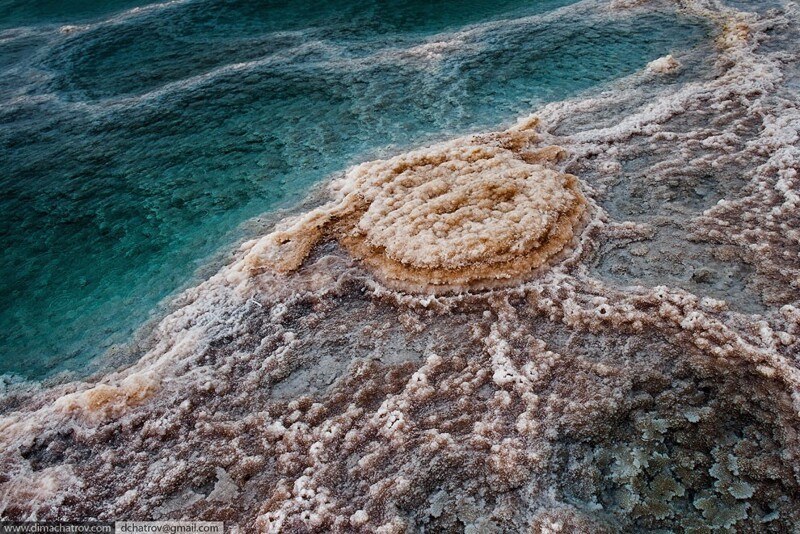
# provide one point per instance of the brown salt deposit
(468, 214)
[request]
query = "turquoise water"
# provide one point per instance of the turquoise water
(136, 143)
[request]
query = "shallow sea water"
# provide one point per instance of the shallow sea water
(138, 139)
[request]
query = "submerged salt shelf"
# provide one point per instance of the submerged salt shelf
(380, 363)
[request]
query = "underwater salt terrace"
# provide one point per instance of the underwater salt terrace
(137, 144)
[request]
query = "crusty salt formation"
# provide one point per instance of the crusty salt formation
(664, 65)
(648, 382)
(471, 213)
(470, 218)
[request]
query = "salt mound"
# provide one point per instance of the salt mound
(664, 65)
(467, 216)
(471, 213)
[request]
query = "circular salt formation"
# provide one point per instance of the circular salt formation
(463, 217)
(465, 212)
(473, 213)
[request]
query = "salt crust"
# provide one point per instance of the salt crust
(470, 433)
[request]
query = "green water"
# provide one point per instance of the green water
(137, 143)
